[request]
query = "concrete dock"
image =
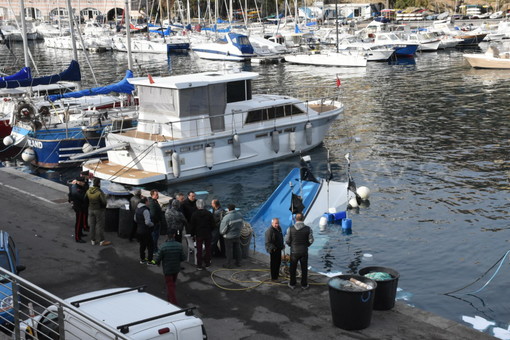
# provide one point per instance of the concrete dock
(233, 304)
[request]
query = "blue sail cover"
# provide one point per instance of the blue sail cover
(71, 74)
(24, 73)
(122, 86)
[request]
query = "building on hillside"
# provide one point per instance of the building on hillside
(352, 10)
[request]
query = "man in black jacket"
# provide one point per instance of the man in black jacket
(299, 237)
(274, 246)
(201, 227)
(77, 198)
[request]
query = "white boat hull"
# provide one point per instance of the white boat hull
(484, 61)
(329, 59)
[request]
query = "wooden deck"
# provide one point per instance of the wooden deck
(119, 171)
(145, 135)
(322, 108)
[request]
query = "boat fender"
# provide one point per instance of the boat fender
(275, 141)
(28, 155)
(236, 145)
(353, 203)
(176, 164)
(25, 111)
(363, 193)
(346, 224)
(323, 223)
(292, 141)
(86, 148)
(308, 133)
(209, 156)
(335, 217)
(8, 140)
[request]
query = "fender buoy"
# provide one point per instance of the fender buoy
(8, 140)
(292, 141)
(86, 148)
(236, 145)
(275, 141)
(209, 159)
(308, 133)
(176, 164)
(28, 155)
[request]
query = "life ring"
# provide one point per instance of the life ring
(25, 111)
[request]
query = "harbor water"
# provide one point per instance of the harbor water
(428, 135)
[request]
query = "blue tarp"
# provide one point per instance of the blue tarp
(162, 31)
(71, 74)
(24, 73)
(122, 86)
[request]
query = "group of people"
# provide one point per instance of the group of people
(89, 204)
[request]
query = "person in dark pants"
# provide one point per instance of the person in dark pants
(274, 246)
(217, 242)
(133, 205)
(144, 231)
(77, 198)
(230, 228)
(175, 219)
(171, 254)
(299, 237)
(157, 217)
(201, 227)
(189, 206)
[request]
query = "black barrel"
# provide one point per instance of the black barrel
(386, 289)
(111, 219)
(125, 222)
(351, 309)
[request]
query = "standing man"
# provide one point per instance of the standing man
(201, 226)
(156, 217)
(77, 198)
(171, 254)
(133, 205)
(144, 231)
(189, 205)
(274, 246)
(299, 237)
(175, 219)
(230, 228)
(218, 214)
(97, 207)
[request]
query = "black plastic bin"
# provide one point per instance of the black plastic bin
(125, 223)
(351, 309)
(111, 219)
(386, 290)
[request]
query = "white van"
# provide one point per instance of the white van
(119, 313)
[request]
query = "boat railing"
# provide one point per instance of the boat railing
(288, 113)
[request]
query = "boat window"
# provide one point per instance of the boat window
(156, 100)
(238, 91)
(193, 101)
(242, 40)
(272, 113)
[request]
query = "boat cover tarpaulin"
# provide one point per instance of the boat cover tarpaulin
(24, 73)
(122, 86)
(71, 74)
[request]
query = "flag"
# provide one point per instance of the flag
(150, 79)
(296, 204)
(338, 82)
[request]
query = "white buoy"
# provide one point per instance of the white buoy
(332, 210)
(176, 164)
(236, 145)
(353, 202)
(292, 141)
(275, 141)
(209, 159)
(8, 140)
(86, 148)
(363, 192)
(323, 223)
(308, 133)
(28, 155)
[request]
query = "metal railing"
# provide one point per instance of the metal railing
(30, 301)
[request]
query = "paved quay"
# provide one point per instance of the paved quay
(234, 304)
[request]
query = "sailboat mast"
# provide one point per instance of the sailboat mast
(128, 35)
(24, 33)
(71, 29)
